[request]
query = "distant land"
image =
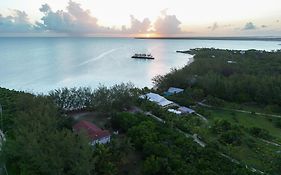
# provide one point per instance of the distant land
(217, 38)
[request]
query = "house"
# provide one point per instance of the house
(175, 111)
(186, 110)
(95, 134)
(231, 62)
(158, 99)
(174, 90)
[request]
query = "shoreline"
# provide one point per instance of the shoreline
(215, 38)
(190, 61)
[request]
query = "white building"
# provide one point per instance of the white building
(174, 90)
(158, 99)
(186, 110)
(174, 111)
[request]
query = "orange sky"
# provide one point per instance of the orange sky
(143, 18)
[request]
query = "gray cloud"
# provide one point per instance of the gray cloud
(167, 24)
(214, 26)
(137, 26)
(16, 23)
(228, 25)
(78, 21)
(73, 20)
(249, 26)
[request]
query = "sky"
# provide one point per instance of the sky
(148, 18)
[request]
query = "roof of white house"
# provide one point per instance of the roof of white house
(175, 90)
(184, 109)
(165, 102)
(231, 62)
(174, 111)
(162, 101)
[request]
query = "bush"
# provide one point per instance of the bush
(221, 126)
(231, 137)
(259, 132)
(124, 121)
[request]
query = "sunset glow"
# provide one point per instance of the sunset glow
(141, 18)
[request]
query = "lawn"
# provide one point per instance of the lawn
(253, 151)
(245, 120)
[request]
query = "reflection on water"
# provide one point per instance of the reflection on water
(42, 64)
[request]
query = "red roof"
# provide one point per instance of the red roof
(92, 130)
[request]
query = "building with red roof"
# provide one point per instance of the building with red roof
(96, 134)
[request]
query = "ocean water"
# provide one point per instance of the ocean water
(41, 64)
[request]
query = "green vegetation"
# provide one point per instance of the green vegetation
(232, 95)
(102, 99)
(39, 137)
(166, 151)
(253, 76)
(239, 93)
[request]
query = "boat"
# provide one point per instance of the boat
(143, 56)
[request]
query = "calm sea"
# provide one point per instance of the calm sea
(42, 64)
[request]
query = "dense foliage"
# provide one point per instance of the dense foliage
(165, 151)
(238, 76)
(8, 100)
(102, 99)
(40, 139)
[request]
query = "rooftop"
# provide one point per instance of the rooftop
(175, 90)
(92, 130)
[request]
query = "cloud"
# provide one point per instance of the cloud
(249, 26)
(214, 26)
(227, 25)
(79, 21)
(73, 20)
(137, 26)
(167, 24)
(18, 22)
(263, 26)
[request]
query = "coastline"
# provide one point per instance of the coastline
(216, 38)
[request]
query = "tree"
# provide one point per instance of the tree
(152, 165)
(38, 146)
(231, 137)
(221, 126)
(259, 132)
(104, 164)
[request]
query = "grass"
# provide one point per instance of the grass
(258, 156)
(248, 107)
(253, 151)
(245, 120)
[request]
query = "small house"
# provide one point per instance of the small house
(173, 90)
(95, 134)
(186, 110)
(175, 111)
(158, 99)
(231, 62)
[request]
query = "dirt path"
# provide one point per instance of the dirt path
(238, 110)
